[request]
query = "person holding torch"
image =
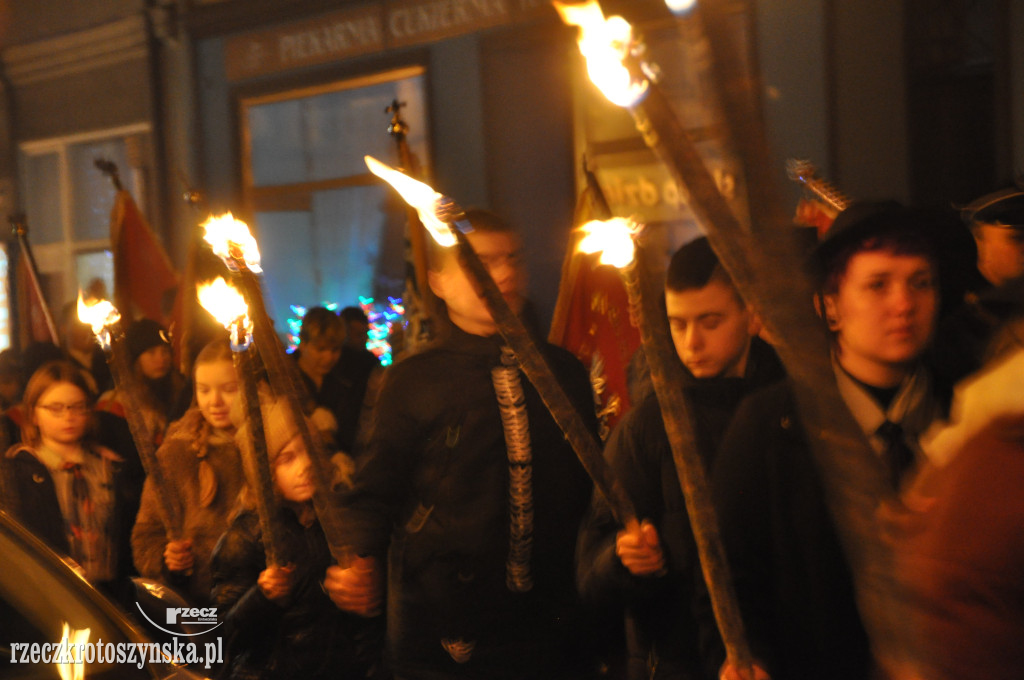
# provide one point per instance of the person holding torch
(471, 495)
(279, 621)
(201, 461)
(654, 570)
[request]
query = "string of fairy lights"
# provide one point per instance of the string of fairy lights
(382, 317)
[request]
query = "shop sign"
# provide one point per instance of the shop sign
(371, 28)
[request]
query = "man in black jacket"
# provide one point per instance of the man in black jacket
(655, 572)
(477, 522)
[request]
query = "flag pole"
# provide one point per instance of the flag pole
(594, 194)
(143, 271)
(424, 327)
(187, 304)
(19, 228)
(109, 168)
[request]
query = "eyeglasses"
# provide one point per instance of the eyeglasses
(58, 409)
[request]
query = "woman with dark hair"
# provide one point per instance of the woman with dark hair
(58, 482)
(149, 354)
(878, 294)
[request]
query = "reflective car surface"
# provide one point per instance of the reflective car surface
(40, 592)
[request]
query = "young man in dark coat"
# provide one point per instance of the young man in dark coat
(654, 572)
(477, 537)
(878, 295)
(358, 371)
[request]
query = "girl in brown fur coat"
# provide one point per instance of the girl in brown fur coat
(200, 461)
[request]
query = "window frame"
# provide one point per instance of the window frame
(60, 256)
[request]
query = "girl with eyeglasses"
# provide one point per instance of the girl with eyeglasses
(58, 482)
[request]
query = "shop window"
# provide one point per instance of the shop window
(329, 231)
(67, 203)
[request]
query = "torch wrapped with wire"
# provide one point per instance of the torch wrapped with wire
(227, 306)
(615, 239)
(448, 225)
(232, 241)
(106, 325)
(512, 403)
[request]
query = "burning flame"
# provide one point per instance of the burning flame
(100, 315)
(681, 6)
(417, 194)
(605, 43)
(68, 650)
(227, 306)
(232, 241)
(612, 238)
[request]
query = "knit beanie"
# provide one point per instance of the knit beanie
(279, 426)
(142, 335)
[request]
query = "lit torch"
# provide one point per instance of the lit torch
(106, 325)
(232, 241)
(615, 239)
(68, 655)
(448, 225)
(853, 479)
(616, 68)
(228, 307)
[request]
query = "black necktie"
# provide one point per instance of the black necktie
(898, 456)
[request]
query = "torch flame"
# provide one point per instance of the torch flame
(225, 303)
(98, 314)
(681, 6)
(612, 238)
(232, 241)
(68, 657)
(417, 194)
(605, 43)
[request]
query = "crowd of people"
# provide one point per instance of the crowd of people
(474, 543)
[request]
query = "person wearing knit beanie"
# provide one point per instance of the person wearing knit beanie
(279, 429)
(147, 336)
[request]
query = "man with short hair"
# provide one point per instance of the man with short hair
(320, 340)
(477, 525)
(358, 370)
(654, 571)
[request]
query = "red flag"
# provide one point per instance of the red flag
(143, 273)
(34, 323)
(591, 320)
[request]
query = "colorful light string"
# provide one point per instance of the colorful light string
(382, 318)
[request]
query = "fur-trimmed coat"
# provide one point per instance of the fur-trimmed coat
(204, 471)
